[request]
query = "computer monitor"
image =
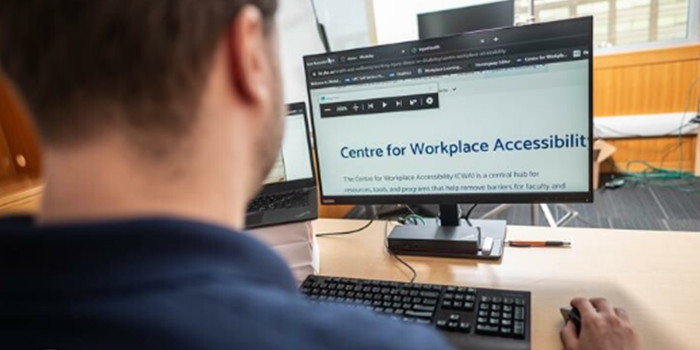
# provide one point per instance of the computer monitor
(466, 19)
(495, 116)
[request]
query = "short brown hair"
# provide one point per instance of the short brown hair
(72, 60)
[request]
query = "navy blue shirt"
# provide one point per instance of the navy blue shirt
(168, 284)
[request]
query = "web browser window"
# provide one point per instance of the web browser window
(494, 112)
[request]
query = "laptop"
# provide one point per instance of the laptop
(289, 193)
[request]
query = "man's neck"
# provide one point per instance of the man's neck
(107, 181)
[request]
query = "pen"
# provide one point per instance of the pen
(529, 244)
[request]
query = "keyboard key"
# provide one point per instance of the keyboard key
(506, 323)
(497, 300)
(486, 330)
(447, 305)
(424, 308)
(519, 313)
(495, 314)
(507, 308)
(519, 330)
(468, 306)
(484, 306)
(458, 305)
(494, 321)
(431, 302)
(483, 313)
(482, 320)
(496, 307)
(425, 294)
(507, 315)
(506, 331)
(508, 301)
(485, 299)
(420, 314)
(464, 327)
(520, 302)
(454, 317)
(453, 326)
(442, 324)
(448, 296)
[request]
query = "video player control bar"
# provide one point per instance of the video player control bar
(380, 105)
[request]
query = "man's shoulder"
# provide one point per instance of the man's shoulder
(333, 326)
(253, 316)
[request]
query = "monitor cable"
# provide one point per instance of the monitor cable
(469, 213)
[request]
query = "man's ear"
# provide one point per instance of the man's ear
(248, 56)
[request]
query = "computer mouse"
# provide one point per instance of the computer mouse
(573, 315)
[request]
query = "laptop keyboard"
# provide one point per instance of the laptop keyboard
(279, 201)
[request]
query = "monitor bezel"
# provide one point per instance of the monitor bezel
(489, 198)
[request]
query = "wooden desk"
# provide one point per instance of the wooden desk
(654, 275)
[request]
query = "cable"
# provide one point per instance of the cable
(342, 233)
(685, 112)
(414, 274)
(466, 217)
(346, 232)
(659, 172)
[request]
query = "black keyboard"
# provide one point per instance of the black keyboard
(278, 201)
(472, 318)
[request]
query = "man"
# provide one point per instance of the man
(159, 120)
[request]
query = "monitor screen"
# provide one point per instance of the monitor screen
(499, 116)
(294, 160)
(466, 19)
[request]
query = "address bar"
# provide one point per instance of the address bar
(367, 94)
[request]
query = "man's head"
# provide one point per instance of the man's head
(150, 72)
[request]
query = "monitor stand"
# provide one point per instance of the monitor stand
(452, 237)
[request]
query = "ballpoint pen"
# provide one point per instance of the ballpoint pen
(529, 244)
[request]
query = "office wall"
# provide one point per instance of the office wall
(649, 82)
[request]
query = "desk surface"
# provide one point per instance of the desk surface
(654, 275)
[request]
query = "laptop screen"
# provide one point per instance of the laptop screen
(294, 160)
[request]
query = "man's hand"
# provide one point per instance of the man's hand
(602, 328)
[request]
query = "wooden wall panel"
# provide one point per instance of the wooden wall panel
(7, 168)
(19, 132)
(649, 82)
